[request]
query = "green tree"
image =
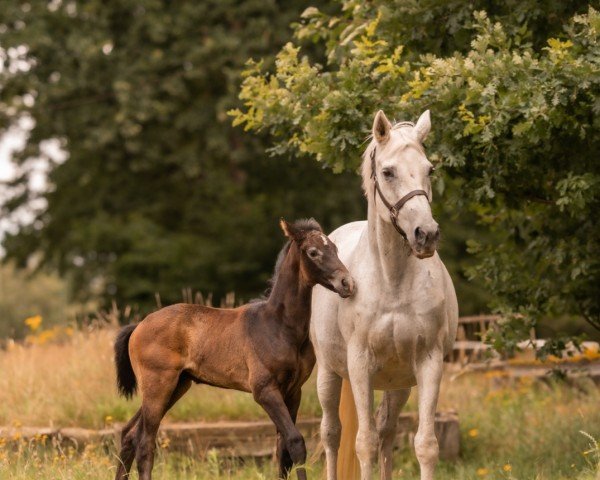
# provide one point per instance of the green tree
(158, 192)
(514, 95)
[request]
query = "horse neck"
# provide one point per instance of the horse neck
(291, 296)
(390, 251)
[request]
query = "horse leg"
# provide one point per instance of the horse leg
(269, 397)
(283, 457)
(127, 453)
(292, 402)
(367, 439)
(160, 387)
(329, 385)
(429, 375)
(387, 420)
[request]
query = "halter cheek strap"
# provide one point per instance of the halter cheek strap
(395, 208)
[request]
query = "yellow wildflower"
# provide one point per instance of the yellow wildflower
(473, 432)
(165, 442)
(507, 467)
(34, 322)
(482, 472)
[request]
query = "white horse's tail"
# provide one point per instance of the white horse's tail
(348, 467)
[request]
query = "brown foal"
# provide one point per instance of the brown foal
(262, 347)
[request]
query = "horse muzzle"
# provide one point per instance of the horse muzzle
(426, 238)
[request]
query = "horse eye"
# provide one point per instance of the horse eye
(313, 253)
(388, 173)
(431, 171)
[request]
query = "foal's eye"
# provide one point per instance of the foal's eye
(431, 171)
(313, 252)
(388, 173)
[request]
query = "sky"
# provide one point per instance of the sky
(14, 59)
(13, 140)
(8, 143)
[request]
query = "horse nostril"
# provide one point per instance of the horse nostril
(344, 282)
(419, 234)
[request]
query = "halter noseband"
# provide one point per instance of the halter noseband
(394, 209)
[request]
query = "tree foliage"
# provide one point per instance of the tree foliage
(513, 91)
(158, 192)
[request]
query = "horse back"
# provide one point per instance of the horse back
(192, 338)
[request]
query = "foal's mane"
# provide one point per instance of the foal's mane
(303, 224)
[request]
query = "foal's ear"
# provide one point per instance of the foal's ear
(381, 127)
(288, 229)
(423, 126)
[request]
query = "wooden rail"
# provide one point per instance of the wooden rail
(231, 439)
(468, 345)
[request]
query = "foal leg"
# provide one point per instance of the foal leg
(429, 375)
(387, 420)
(292, 402)
(160, 389)
(127, 453)
(269, 397)
(367, 439)
(329, 385)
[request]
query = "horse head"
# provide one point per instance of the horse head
(319, 261)
(396, 176)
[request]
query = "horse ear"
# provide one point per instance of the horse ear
(285, 226)
(423, 126)
(381, 127)
(288, 229)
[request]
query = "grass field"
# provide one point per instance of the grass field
(523, 430)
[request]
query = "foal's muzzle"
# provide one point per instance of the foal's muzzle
(343, 284)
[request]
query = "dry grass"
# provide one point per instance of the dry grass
(73, 384)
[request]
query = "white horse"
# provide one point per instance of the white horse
(393, 334)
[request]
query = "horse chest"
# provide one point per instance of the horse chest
(393, 330)
(291, 364)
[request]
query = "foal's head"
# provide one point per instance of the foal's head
(401, 167)
(319, 262)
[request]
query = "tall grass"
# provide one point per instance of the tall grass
(73, 384)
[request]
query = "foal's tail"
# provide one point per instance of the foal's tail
(126, 382)
(348, 467)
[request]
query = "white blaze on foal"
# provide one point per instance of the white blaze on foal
(393, 334)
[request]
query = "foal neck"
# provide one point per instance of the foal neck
(291, 294)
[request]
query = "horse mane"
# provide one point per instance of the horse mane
(304, 224)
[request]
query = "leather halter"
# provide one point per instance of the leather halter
(395, 208)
